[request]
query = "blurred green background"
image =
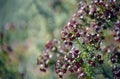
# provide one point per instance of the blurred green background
(25, 26)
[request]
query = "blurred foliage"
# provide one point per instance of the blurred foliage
(26, 26)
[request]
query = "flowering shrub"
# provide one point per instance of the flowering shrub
(89, 44)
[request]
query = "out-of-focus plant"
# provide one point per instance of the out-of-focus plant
(90, 43)
(8, 59)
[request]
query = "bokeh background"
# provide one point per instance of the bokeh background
(25, 26)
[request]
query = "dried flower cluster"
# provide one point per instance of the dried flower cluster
(91, 39)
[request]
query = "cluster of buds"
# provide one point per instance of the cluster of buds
(68, 63)
(115, 56)
(116, 72)
(52, 48)
(83, 45)
(117, 31)
(43, 61)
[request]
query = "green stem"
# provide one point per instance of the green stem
(105, 73)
